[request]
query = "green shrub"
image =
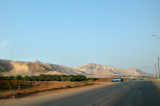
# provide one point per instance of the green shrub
(76, 85)
(61, 87)
(68, 86)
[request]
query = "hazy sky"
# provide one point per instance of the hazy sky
(77, 32)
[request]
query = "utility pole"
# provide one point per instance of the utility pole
(158, 69)
(158, 56)
(155, 71)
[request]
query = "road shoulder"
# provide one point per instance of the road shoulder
(57, 92)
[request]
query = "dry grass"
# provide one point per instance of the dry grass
(157, 83)
(158, 80)
(42, 86)
(105, 79)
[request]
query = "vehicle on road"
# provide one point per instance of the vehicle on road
(117, 80)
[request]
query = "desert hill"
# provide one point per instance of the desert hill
(8, 67)
(12, 68)
(98, 70)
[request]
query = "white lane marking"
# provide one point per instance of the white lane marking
(105, 102)
(123, 89)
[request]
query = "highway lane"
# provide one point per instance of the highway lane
(93, 97)
(144, 93)
(138, 93)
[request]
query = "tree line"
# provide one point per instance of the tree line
(43, 77)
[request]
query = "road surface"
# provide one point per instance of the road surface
(136, 93)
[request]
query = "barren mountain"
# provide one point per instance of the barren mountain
(97, 70)
(12, 68)
(8, 67)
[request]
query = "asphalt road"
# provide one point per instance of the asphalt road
(139, 93)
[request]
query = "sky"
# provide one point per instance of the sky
(78, 32)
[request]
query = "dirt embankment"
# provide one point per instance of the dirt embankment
(157, 83)
(43, 86)
(105, 79)
(55, 91)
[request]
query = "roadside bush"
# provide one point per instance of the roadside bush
(42, 77)
(68, 86)
(61, 87)
(76, 85)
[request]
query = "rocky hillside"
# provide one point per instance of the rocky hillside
(12, 68)
(97, 70)
(8, 67)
